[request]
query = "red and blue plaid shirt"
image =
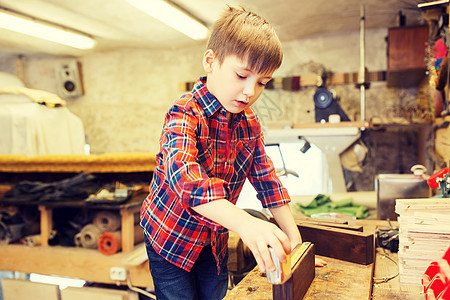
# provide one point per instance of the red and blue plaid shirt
(203, 159)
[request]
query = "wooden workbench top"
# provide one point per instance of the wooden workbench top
(340, 279)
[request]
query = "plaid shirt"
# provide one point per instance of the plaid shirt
(202, 159)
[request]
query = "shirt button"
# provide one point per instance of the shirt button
(222, 125)
(246, 145)
(220, 156)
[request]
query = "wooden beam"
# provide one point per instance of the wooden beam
(333, 224)
(302, 274)
(46, 224)
(82, 263)
(296, 83)
(344, 244)
(18, 289)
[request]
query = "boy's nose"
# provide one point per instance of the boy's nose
(249, 90)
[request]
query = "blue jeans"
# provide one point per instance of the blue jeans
(202, 283)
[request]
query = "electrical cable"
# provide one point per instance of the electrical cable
(384, 279)
(138, 290)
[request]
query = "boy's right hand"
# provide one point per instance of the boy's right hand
(258, 235)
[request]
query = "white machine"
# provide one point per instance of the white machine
(331, 139)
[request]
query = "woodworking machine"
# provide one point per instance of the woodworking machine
(331, 139)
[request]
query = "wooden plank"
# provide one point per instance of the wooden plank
(94, 293)
(128, 229)
(333, 225)
(302, 274)
(424, 235)
(348, 245)
(46, 224)
(297, 82)
(48, 261)
(90, 294)
(18, 289)
(73, 163)
(359, 124)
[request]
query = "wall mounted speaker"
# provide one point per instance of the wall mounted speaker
(69, 80)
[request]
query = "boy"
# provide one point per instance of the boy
(211, 142)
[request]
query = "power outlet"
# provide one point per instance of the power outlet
(118, 274)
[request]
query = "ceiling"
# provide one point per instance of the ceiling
(116, 24)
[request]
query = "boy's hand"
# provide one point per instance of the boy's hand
(320, 262)
(258, 235)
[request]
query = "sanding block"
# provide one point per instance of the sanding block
(282, 271)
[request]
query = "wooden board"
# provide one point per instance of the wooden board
(424, 235)
(338, 280)
(18, 289)
(302, 274)
(333, 225)
(48, 261)
(94, 293)
(348, 245)
(296, 83)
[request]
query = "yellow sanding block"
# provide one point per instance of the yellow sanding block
(283, 270)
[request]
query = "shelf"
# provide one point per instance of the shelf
(78, 262)
(75, 262)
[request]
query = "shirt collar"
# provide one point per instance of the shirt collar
(209, 103)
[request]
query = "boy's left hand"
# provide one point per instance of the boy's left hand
(320, 262)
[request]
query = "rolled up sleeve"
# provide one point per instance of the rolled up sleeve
(187, 179)
(264, 179)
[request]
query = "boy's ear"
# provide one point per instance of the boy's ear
(208, 59)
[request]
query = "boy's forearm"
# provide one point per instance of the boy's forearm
(235, 219)
(223, 212)
(285, 220)
(257, 234)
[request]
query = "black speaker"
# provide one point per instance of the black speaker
(326, 105)
(69, 81)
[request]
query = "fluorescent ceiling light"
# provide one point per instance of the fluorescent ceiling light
(172, 16)
(46, 31)
(432, 3)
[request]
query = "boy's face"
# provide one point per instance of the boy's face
(232, 82)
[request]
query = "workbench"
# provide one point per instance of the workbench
(340, 279)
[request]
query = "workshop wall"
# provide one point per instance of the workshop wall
(128, 91)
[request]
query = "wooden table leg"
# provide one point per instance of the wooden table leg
(127, 230)
(46, 224)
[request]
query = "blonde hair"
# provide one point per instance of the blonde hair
(245, 34)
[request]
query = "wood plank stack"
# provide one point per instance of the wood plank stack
(424, 235)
